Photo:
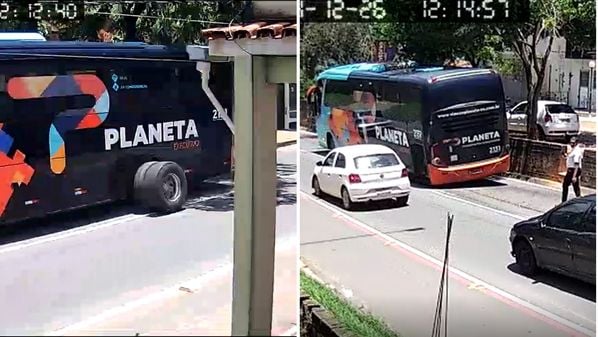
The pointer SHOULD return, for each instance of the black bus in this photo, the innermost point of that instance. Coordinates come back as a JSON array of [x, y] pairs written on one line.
[[83, 123], [446, 125]]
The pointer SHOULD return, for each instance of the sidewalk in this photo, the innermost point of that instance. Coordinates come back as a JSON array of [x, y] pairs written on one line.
[[286, 137], [587, 124], [205, 310]]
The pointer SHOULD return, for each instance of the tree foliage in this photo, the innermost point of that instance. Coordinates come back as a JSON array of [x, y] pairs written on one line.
[[326, 45], [435, 43], [151, 22]]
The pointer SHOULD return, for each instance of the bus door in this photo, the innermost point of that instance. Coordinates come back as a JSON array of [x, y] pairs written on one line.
[[314, 99], [339, 114]]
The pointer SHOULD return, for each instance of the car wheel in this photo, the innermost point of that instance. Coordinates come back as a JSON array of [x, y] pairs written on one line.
[[347, 203], [541, 134], [525, 259], [329, 142], [315, 184], [402, 201]]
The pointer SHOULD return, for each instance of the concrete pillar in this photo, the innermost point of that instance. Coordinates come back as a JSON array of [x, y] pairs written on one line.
[[255, 198]]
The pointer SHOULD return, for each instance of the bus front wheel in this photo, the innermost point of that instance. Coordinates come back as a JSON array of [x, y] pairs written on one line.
[[161, 186]]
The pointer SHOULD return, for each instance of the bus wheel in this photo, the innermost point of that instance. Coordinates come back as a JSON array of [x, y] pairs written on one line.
[[139, 186], [329, 142], [164, 187]]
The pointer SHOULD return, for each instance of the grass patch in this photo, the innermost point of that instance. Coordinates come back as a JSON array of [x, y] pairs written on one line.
[[352, 319]]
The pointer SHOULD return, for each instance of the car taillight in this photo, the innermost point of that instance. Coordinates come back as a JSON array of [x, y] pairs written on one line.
[[354, 178], [547, 118], [405, 173]]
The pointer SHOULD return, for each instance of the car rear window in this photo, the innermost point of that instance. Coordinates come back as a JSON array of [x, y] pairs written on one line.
[[376, 161], [559, 109]]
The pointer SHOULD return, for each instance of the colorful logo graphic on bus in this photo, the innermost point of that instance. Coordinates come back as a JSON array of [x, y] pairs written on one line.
[[20, 88], [344, 127], [12, 170]]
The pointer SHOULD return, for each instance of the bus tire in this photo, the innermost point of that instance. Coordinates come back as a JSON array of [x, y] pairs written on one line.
[[164, 187], [140, 183]]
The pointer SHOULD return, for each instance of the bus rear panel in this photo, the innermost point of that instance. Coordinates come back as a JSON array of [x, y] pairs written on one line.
[[468, 136]]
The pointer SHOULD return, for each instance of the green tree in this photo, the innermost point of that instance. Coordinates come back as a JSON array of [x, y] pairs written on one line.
[[549, 19], [328, 44], [435, 43], [152, 22]]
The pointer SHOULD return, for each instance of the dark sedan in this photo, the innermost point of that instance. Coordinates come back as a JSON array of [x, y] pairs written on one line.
[[562, 240]]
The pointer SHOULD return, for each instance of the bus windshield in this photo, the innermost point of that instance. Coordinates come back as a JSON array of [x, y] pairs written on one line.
[[484, 89]]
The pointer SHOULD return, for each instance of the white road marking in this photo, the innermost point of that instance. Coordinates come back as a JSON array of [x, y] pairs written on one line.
[[164, 294], [470, 278], [449, 196], [193, 284], [518, 181], [12, 247], [70, 233]]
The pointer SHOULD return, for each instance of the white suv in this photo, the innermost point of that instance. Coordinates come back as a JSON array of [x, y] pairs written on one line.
[[555, 119]]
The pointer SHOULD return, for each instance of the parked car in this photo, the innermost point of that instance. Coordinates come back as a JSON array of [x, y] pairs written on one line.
[[555, 120], [361, 173], [562, 240]]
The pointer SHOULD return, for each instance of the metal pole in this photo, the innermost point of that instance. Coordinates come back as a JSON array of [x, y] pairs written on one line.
[[590, 90], [255, 198]]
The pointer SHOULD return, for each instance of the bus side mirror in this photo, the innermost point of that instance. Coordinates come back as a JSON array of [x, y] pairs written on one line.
[[319, 163]]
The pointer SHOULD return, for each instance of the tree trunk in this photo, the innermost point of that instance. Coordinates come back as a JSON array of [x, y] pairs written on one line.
[[540, 70], [131, 21]]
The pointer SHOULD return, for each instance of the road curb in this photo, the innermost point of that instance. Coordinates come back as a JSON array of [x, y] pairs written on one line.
[[287, 143], [308, 134], [538, 181]]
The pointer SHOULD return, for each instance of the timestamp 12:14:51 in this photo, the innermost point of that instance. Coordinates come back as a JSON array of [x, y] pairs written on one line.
[[466, 9]]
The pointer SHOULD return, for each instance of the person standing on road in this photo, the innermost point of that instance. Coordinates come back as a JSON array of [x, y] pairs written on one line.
[[574, 157]]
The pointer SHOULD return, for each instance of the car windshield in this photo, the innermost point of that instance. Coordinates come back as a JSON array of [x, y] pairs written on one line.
[[376, 161], [559, 109]]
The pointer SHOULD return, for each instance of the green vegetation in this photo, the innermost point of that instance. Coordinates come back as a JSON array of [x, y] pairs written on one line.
[[357, 322], [151, 22]]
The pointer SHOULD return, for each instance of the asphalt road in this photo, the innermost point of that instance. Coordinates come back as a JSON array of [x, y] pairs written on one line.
[[385, 259], [64, 269]]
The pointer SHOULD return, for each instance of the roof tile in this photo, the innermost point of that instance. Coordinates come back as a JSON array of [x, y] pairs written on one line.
[[254, 30]]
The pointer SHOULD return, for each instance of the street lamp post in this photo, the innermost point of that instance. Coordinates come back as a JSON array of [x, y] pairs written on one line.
[[592, 65]]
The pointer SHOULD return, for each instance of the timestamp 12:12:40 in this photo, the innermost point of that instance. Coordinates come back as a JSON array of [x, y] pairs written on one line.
[[39, 10]]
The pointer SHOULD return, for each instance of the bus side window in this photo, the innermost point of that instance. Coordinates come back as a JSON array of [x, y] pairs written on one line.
[[402, 102], [339, 94]]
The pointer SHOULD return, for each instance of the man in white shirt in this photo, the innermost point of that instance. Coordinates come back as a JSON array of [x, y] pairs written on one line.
[[574, 157]]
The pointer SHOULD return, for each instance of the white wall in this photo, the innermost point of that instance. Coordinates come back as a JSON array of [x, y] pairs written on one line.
[[562, 80]]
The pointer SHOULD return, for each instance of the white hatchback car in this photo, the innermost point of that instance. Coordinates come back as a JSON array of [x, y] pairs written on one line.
[[554, 119], [360, 173]]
